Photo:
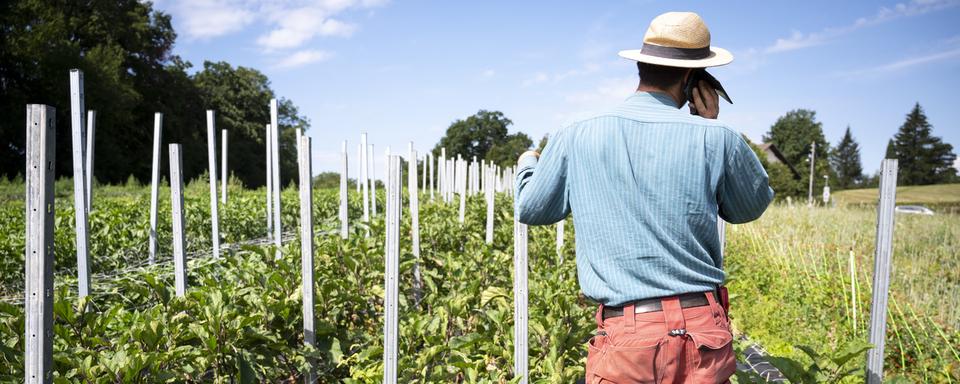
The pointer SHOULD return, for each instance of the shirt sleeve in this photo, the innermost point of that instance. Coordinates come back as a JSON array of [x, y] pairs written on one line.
[[542, 194], [744, 192]]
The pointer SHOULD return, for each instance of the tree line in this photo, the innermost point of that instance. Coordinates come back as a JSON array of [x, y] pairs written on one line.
[[923, 157], [124, 48]]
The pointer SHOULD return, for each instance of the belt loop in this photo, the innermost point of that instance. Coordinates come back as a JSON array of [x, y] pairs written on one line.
[[630, 318], [673, 314], [715, 308], [599, 316]]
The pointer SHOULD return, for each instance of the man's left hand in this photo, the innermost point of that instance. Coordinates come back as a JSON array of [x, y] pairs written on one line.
[[706, 101]]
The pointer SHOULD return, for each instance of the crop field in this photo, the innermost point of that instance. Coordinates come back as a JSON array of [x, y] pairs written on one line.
[[799, 276], [942, 197]]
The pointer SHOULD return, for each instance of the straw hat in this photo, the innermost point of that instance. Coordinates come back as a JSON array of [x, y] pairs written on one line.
[[678, 39]]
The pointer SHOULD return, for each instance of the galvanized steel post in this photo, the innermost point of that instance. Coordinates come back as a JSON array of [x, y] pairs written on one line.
[[176, 202], [391, 266], [212, 160], [414, 203], [79, 191], [155, 184], [306, 248], [881, 269], [344, 217], [520, 349], [275, 150], [91, 127], [38, 294]]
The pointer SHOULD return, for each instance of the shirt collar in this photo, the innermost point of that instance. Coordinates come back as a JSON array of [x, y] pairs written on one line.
[[655, 98]]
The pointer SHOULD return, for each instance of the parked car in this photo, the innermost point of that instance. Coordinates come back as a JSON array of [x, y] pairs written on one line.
[[914, 209]]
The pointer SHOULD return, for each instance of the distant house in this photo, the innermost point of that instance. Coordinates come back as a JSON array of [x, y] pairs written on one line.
[[774, 156]]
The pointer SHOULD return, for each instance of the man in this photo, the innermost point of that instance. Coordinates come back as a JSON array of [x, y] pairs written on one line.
[[646, 183]]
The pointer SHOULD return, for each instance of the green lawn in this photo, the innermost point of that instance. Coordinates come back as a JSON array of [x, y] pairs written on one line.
[[943, 195]]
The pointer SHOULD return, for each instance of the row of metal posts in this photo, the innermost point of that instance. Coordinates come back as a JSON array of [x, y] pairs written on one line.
[[453, 177]]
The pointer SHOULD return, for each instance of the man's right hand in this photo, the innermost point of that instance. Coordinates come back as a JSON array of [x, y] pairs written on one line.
[[706, 101]]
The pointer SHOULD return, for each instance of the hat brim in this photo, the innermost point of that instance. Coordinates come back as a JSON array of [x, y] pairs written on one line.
[[718, 56]]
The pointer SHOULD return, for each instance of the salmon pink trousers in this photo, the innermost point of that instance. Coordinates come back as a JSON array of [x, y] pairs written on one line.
[[675, 345]]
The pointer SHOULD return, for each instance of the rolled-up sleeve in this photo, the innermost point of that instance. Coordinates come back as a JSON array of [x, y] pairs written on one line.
[[744, 191], [542, 194]]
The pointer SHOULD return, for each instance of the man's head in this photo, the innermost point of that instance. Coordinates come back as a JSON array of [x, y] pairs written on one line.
[[661, 77], [675, 43]]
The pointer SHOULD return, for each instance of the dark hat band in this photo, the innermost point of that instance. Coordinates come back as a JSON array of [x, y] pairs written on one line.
[[675, 53]]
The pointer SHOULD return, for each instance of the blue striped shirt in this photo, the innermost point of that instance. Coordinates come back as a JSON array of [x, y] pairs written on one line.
[[645, 183]]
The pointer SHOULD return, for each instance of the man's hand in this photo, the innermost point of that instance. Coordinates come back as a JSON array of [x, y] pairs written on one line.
[[529, 153], [705, 101]]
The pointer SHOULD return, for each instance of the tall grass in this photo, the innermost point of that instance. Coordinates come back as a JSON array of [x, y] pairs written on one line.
[[804, 276]]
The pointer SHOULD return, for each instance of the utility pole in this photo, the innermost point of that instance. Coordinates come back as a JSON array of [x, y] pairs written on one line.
[[813, 158]]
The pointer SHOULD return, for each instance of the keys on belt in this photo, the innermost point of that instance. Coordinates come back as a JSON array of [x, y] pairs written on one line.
[[687, 300]]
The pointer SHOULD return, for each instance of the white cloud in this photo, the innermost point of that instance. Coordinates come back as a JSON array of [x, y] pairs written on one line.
[[489, 73], [201, 19], [797, 40], [304, 57], [289, 23], [905, 63], [800, 40]]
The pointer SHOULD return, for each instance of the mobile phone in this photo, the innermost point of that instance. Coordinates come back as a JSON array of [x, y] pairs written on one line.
[[694, 79]]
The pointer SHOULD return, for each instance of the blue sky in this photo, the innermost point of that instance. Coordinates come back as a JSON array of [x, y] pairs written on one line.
[[403, 70]]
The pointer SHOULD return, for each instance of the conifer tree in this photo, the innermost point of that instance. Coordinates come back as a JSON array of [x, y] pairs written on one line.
[[923, 158], [845, 159]]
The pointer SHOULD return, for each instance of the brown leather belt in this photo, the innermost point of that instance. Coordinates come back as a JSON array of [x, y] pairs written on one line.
[[687, 300]]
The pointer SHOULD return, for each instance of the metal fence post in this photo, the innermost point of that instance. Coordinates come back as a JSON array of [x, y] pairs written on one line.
[[359, 166], [488, 194], [306, 247], [365, 177], [176, 202], [79, 191], [391, 266], [344, 213], [38, 296], [881, 269], [268, 141], [91, 126], [520, 350], [415, 226], [560, 231], [155, 184], [275, 149], [212, 159], [373, 179], [223, 166], [462, 188]]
